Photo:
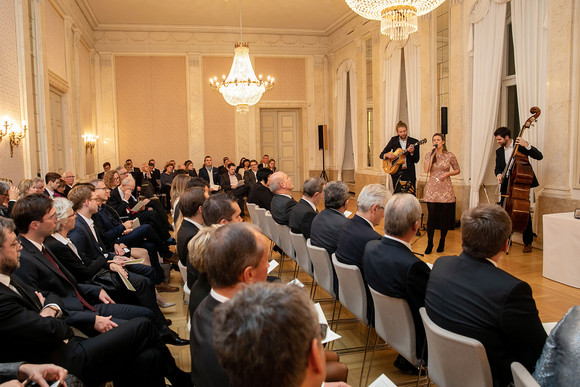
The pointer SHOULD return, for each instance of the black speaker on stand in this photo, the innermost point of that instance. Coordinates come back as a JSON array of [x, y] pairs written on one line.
[[444, 120], [323, 144]]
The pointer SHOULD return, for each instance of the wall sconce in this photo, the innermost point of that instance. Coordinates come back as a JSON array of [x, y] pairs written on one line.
[[14, 134], [90, 142]]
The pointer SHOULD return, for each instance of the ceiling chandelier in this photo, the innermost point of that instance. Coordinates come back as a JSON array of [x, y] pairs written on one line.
[[241, 88], [398, 17]]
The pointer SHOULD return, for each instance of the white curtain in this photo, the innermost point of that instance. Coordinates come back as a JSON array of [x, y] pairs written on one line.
[[344, 83], [412, 52], [487, 43], [529, 23]]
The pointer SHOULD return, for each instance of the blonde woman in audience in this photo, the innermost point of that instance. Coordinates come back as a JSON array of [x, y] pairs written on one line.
[[178, 185], [197, 258], [26, 187]]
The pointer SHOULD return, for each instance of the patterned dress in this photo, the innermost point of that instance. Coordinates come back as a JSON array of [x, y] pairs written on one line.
[[439, 194]]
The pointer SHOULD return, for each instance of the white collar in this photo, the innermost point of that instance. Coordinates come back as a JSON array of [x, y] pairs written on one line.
[[309, 202], [5, 279], [39, 246], [492, 261], [61, 239], [218, 297], [368, 221], [88, 220], [407, 244], [288, 196], [193, 222], [51, 193]]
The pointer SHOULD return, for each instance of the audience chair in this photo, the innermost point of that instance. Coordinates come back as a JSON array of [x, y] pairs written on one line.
[[352, 294], [455, 360], [253, 215], [186, 290], [522, 378], [302, 257], [323, 274], [394, 324], [284, 233], [275, 236], [261, 214]]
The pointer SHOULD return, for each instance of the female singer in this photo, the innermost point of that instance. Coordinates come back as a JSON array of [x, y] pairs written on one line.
[[439, 194]]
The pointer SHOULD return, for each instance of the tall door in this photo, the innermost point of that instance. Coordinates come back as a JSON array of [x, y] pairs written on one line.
[[56, 145], [279, 140]]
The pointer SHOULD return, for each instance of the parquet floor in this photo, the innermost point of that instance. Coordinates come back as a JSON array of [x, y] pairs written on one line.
[[553, 300]]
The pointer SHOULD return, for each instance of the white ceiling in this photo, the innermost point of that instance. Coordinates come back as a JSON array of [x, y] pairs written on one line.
[[314, 16]]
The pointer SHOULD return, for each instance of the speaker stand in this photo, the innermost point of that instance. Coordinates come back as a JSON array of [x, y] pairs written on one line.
[[323, 175]]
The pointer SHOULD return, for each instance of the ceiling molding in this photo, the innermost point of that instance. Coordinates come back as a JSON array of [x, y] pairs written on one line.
[[88, 13], [340, 22]]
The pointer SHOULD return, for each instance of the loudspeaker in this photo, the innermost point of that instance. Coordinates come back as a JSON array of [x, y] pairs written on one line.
[[444, 120], [322, 137]]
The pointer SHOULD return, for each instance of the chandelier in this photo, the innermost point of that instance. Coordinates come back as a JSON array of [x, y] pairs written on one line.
[[241, 88], [398, 17]]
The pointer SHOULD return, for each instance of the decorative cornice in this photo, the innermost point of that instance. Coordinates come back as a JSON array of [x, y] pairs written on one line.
[[193, 59], [456, 2], [106, 59], [88, 13], [56, 82], [318, 61]]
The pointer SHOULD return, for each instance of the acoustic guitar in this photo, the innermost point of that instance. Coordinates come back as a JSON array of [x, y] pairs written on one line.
[[392, 166]]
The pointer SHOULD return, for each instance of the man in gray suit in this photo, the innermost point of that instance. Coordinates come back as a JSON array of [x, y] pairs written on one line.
[[282, 203]]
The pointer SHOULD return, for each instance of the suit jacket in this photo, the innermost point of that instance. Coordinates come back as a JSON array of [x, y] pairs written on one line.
[[325, 229], [137, 175], [225, 182], [202, 172], [250, 177], [100, 175], [89, 248], [205, 368], [109, 222], [500, 163], [411, 160], [38, 273], [156, 174], [118, 204], [187, 231], [260, 195], [393, 270], [67, 189], [474, 298], [28, 335], [280, 208], [301, 218], [353, 238], [83, 269]]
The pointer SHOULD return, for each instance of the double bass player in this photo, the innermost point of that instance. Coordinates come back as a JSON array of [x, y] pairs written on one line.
[[502, 156]]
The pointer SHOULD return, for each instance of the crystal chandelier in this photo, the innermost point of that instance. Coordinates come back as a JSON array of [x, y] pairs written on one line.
[[241, 88], [398, 17]]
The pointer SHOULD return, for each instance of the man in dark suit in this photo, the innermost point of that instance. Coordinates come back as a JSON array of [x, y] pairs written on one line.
[[210, 174], [304, 212], [69, 179], [106, 168], [251, 175], [264, 162], [122, 200], [392, 269], [51, 180], [260, 194], [134, 171], [130, 354], [239, 254], [327, 225], [502, 155], [469, 295], [232, 183], [406, 172], [190, 204], [359, 230], [281, 185]]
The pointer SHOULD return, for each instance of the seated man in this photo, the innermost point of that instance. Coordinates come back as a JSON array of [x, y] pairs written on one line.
[[260, 194], [392, 269], [469, 295], [232, 183], [251, 175], [326, 226], [52, 180], [131, 354], [304, 212], [210, 174], [122, 200], [359, 230], [281, 185], [247, 327]]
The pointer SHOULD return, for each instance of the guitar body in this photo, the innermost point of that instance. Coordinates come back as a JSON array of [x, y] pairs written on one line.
[[392, 166]]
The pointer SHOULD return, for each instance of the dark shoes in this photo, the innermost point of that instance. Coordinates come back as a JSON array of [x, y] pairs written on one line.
[[171, 241], [527, 249], [165, 287], [405, 366], [172, 338], [441, 246], [429, 248]]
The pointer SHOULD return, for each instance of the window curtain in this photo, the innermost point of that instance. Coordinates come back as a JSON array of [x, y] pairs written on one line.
[[487, 44], [530, 31], [392, 83], [412, 52], [344, 83]]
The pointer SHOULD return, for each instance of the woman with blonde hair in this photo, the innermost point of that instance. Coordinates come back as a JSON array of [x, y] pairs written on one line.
[[26, 187], [197, 258], [178, 185]]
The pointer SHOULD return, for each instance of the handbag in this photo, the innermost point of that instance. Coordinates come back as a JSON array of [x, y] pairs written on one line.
[[109, 280]]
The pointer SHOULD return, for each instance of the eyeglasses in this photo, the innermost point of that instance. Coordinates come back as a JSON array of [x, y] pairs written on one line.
[[16, 243]]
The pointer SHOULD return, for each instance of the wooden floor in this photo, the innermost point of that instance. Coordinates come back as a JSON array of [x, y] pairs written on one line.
[[553, 300]]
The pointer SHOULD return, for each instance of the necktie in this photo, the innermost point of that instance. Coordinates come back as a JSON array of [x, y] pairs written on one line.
[[81, 299]]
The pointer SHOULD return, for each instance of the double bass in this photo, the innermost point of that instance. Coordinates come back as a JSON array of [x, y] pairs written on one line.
[[519, 175]]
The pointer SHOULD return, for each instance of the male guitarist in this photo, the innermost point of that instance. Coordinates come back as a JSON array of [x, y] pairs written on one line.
[[406, 172]]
